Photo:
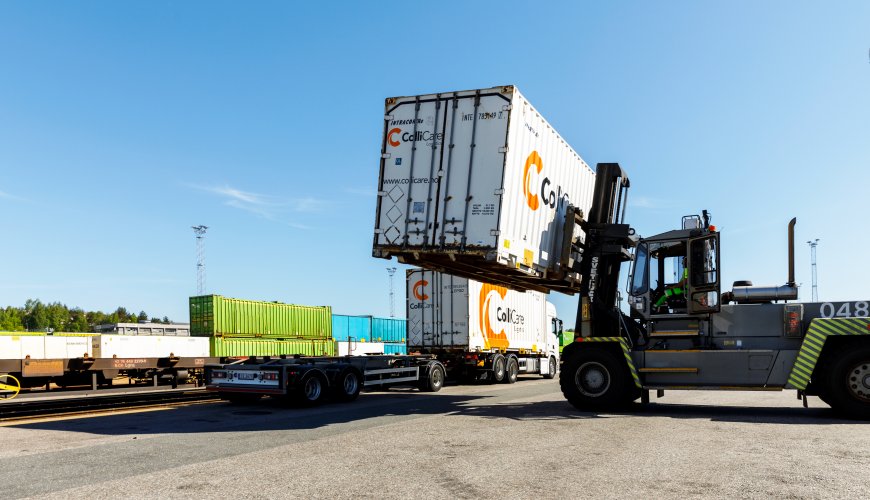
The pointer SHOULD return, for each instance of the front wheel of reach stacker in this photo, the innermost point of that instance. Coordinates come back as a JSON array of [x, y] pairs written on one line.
[[596, 379], [847, 383]]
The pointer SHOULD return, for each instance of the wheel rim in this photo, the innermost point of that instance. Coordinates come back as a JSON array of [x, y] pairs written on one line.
[[859, 381], [312, 389], [437, 377], [592, 379], [350, 384], [499, 368], [515, 370], [552, 367]]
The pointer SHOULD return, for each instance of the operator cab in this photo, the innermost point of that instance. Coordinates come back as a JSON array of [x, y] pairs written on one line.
[[676, 273]]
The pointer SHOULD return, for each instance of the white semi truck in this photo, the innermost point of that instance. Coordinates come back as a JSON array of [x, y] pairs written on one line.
[[479, 330]]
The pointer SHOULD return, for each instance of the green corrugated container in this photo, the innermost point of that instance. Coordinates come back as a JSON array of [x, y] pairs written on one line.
[[230, 347], [217, 316]]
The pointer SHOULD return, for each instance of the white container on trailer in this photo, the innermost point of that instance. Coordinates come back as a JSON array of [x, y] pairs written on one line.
[[33, 346], [448, 312], [129, 346], [67, 347], [354, 348], [477, 180]]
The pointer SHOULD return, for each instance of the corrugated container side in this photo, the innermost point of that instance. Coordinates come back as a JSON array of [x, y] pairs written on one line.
[[389, 329], [395, 348], [213, 315], [234, 347], [358, 328]]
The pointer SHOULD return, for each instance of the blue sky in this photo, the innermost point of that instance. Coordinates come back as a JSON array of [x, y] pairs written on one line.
[[122, 124]]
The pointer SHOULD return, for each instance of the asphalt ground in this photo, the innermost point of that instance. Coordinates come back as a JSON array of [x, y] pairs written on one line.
[[487, 441]]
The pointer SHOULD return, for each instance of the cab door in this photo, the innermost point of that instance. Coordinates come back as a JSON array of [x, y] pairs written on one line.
[[703, 287]]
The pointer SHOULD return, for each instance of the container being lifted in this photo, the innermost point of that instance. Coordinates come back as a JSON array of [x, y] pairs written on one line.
[[477, 183]]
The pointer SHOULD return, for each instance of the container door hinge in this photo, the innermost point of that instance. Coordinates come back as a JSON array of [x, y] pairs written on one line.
[[503, 149], [388, 117], [507, 107], [494, 232], [386, 155], [382, 193], [498, 192]]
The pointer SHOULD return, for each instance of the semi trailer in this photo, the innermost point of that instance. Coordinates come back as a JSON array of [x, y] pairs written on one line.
[[480, 330]]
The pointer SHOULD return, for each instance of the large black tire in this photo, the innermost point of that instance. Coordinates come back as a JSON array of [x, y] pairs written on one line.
[[347, 386], [512, 371], [239, 398], [847, 382], [434, 379], [499, 368], [312, 389], [551, 373], [596, 379]]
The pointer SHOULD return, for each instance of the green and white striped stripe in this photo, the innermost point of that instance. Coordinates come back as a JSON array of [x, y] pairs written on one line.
[[820, 329], [626, 351]]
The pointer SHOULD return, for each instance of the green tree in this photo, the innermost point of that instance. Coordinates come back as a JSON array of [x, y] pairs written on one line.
[[143, 316]]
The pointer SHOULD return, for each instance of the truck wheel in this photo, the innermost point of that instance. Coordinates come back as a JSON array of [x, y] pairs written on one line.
[[512, 371], [434, 381], [237, 398], [596, 379], [551, 373], [347, 385], [498, 368], [312, 389], [848, 383]]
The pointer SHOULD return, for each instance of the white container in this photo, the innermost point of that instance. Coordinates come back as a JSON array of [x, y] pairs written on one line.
[[493, 198], [67, 347], [450, 312], [148, 346], [346, 348]]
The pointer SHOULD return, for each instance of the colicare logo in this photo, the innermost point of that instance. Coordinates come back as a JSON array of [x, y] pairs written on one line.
[[393, 141], [418, 290], [551, 197], [491, 339]]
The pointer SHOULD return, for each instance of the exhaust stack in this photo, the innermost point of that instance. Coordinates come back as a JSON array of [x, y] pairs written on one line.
[[791, 224]]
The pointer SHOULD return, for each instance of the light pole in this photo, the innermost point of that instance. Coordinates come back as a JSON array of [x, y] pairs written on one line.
[[813, 244]]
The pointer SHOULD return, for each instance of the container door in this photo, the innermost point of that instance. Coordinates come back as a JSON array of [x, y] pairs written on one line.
[[432, 195]]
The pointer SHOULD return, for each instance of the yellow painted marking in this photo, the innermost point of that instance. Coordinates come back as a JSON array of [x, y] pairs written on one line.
[[104, 412], [11, 384]]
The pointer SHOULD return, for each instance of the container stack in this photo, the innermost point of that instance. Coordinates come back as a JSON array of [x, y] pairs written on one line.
[[238, 327], [369, 335]]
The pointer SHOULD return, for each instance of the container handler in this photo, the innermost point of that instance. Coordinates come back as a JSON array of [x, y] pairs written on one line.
[[682, 332]]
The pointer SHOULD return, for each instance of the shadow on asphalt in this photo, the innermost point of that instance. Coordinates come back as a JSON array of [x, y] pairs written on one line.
[[270, 414]]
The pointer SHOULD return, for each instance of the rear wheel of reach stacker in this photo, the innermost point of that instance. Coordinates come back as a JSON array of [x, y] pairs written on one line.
[[434, 379], [847, 382], [596, 379]]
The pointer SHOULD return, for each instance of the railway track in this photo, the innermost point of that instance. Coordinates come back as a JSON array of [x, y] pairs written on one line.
[[72, 406]]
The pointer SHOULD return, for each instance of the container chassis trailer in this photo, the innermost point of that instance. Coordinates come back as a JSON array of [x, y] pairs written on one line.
[[313, 380]]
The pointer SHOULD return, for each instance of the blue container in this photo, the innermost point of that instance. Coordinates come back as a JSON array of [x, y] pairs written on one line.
[[395, 348], [389, 330], [346, 328]]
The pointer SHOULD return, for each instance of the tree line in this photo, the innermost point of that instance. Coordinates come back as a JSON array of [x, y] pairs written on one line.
[[36, 316]]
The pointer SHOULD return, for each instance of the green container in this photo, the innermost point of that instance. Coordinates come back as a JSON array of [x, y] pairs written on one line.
[[217, 316], [223, 347]]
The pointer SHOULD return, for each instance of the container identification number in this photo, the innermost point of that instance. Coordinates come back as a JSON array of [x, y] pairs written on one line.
[[846, 310]]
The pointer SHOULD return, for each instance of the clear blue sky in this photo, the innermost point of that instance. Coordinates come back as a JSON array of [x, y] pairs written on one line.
[[124, 123]]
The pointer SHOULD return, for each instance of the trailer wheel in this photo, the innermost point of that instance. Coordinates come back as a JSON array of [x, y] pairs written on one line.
[[512, 371], [434, 380], [847, 383], [596, 379], [551, 373], [312, 389], [347, 385], [498, 368]]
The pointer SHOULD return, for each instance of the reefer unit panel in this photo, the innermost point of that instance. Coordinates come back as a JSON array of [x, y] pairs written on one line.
[[477, 180], [450, 312], [214, 315]]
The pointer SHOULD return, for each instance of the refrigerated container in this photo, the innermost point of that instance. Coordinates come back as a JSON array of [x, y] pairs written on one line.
[[218, 316], [478, 182], [481, 327]]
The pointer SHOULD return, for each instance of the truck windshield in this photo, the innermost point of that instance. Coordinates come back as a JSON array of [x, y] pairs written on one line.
[[640, 276]]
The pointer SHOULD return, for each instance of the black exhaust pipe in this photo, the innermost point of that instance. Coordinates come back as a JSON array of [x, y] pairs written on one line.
[[791, 251]]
